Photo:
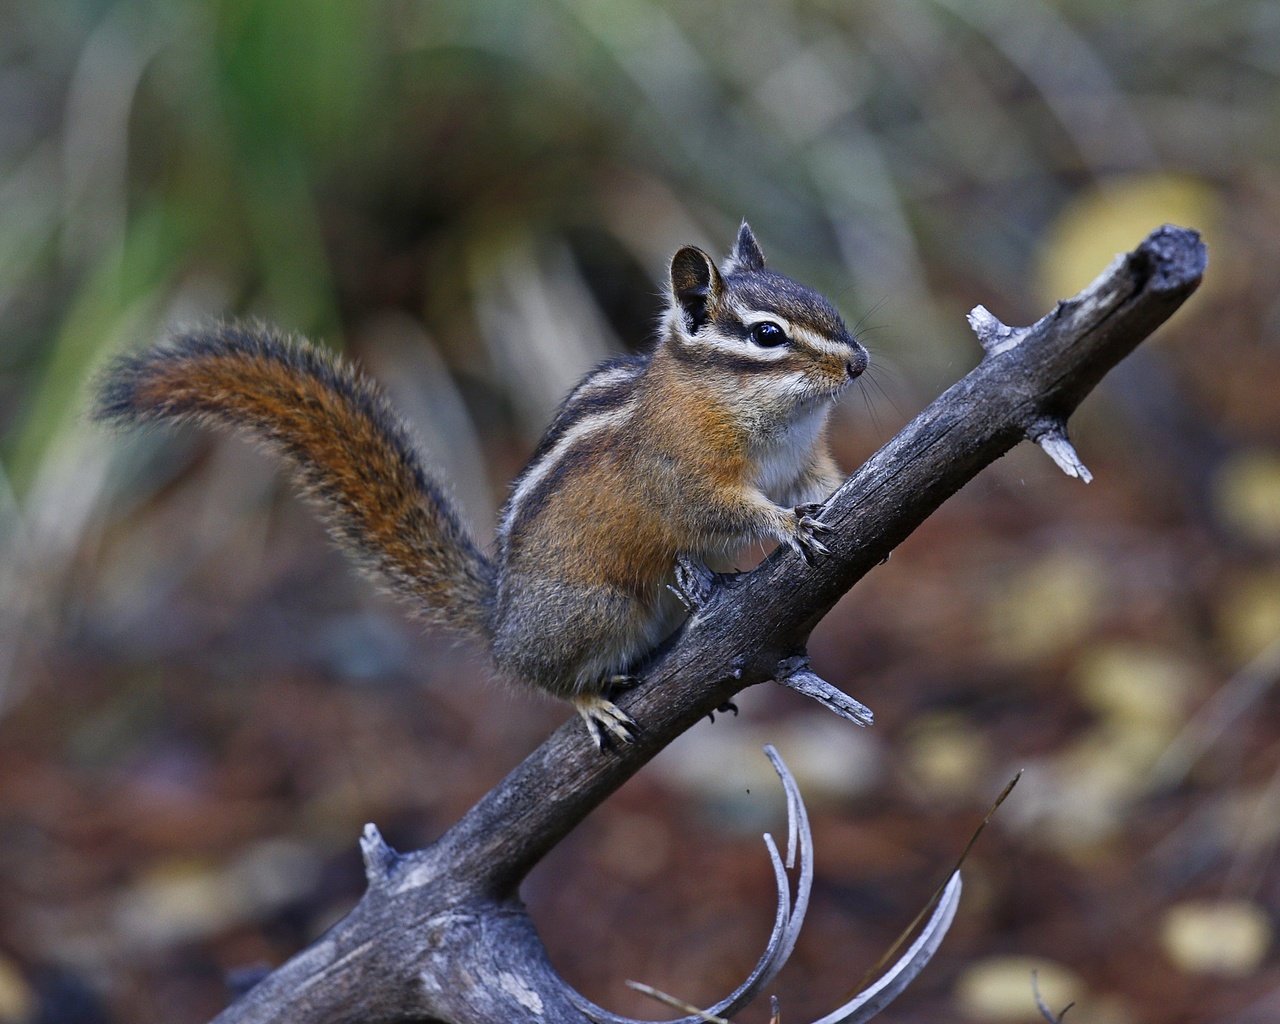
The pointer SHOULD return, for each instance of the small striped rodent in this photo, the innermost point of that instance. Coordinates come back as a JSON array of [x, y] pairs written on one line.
[[711, 440]]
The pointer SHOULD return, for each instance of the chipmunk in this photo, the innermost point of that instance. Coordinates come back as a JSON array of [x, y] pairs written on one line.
[[711, 440]]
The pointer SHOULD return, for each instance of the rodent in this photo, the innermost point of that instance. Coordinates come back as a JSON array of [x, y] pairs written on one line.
[[713, 439]]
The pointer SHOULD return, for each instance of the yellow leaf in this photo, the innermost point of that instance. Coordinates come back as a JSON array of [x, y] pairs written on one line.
[[1249, 616], [1247, 494], [1227, 938], [947, 755], [1049, 605], [17, 1002], [1135, 685], [998, 989]]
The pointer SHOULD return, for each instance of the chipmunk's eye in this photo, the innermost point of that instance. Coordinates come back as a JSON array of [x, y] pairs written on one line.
[[767, 334]]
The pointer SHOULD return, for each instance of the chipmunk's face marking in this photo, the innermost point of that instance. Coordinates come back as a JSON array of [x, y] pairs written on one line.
[[778, 340]]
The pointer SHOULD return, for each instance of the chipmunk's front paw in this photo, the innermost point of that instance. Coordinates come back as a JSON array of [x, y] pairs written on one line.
[[693, 583], [805, 539], [599, 713]]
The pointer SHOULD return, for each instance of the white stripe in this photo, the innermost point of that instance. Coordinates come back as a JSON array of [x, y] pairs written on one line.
[[751, 318], [710, 338], [822, 343], [604, 380], [536, 473]]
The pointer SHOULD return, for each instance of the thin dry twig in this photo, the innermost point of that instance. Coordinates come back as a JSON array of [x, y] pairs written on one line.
[[676, 1004], [787, 922], [1042, 1006], [937, 893]]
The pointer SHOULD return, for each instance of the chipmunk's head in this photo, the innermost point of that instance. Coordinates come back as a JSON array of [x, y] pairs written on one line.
[[772, 339]]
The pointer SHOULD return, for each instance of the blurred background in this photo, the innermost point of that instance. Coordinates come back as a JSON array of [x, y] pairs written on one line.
[[201, 704]]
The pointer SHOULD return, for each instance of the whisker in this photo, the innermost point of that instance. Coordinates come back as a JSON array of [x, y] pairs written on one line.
[[872, 415], [882, 364], [871, 380], [874, 308], [861, 332]]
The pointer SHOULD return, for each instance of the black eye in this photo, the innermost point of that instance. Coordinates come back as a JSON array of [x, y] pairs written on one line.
[[767, 334]]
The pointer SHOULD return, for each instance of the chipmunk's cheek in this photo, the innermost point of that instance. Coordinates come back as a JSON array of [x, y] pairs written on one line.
[[833, 369]]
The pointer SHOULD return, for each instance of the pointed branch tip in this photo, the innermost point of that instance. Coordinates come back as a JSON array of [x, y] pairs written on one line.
[[995, 336], [378, 856], [795, 674], [1058, 447]]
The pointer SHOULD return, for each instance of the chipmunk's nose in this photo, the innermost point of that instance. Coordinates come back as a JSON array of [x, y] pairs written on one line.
[[858, 363]]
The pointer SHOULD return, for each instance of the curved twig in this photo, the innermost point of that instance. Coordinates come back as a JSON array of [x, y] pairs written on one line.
[[786, 925], [863, 1006], [874, 998]]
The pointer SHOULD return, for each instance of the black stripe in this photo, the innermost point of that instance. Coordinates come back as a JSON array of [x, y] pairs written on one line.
[[573, 408], [579, 455], [705, 355]]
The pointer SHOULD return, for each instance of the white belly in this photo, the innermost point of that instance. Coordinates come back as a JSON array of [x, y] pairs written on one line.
[[782, 460]]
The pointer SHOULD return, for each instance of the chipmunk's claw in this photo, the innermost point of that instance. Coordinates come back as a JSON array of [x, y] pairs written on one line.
[[724, 708], [805, 540], [605, 721], [809, 510]]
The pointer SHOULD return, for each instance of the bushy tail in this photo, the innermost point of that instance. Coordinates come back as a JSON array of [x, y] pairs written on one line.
[[349, 452]]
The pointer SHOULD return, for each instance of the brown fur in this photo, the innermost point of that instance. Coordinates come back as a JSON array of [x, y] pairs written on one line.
[[350, 454]]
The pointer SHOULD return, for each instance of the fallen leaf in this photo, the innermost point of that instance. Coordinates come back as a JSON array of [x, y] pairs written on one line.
[[1227, 938], [998, 989]]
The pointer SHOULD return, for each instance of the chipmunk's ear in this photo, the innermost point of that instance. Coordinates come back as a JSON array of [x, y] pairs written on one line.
[[746, 254], [696, 286]]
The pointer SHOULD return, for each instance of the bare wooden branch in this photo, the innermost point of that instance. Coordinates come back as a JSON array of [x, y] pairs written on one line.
[[441, 934], [379, 858]]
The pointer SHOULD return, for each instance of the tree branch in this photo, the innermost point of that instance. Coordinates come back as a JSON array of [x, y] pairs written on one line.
[[441, 933]]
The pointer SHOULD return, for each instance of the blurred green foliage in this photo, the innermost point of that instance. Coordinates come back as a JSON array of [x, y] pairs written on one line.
[[304, 161]]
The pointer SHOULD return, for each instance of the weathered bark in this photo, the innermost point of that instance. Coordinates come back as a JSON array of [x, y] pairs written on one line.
[[441, 933]]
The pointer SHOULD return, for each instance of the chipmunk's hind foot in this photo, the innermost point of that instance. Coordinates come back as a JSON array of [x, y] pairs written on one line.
[[605, 721]]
